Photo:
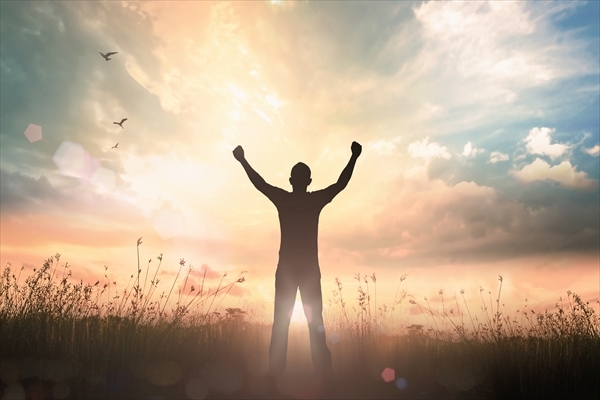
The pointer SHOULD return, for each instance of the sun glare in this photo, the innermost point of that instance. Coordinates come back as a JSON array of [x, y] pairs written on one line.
[[238, 93], [273, 102], [298, 316]]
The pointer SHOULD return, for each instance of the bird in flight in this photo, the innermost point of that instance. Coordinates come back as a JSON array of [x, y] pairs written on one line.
[[120, 123], [108, 55], [115, 146]]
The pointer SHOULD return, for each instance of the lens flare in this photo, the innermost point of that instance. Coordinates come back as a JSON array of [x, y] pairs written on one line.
[[388, 374], [33, 133], [401, 383]]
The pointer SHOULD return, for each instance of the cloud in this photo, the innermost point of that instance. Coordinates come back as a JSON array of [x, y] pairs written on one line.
[[497, 60], [429, 111], [417, 173], [20, 192], [538, 142], [427, 151], [384, 146], [499, 53], [593, 151], [440, 223], [27, 201], [497, 156], [39, 229], [564, 173], [470, 151], [205, 272]]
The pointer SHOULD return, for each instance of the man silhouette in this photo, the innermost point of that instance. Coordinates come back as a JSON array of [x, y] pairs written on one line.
[[298, 266]]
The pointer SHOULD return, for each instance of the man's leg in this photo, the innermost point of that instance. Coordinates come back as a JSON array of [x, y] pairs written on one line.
[[285, 297], [312, 301]]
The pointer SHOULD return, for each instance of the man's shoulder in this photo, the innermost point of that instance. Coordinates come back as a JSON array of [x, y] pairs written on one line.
[[274, 192], [325, 195], [317, 192], [278, 196]]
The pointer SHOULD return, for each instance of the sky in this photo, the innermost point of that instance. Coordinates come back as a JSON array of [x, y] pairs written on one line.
[[479, 123]]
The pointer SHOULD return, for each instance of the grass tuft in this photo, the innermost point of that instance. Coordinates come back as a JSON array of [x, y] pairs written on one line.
[[83, 340]]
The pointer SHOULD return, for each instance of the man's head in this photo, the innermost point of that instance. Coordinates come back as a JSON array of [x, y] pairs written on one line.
[[300, 176]]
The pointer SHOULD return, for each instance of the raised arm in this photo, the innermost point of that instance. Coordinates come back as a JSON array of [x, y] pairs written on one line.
[[347, 172], [257, 180], [330, 192]]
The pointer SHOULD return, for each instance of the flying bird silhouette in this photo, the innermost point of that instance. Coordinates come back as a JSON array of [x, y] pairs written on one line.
[[115, 146], [120, 123], [108, 55]]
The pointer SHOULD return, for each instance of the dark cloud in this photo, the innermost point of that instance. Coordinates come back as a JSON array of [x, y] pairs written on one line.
[[467, 223], [20, 193]]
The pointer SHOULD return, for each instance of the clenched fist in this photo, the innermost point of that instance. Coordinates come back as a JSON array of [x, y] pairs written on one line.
[[238, 153], [356, 149]]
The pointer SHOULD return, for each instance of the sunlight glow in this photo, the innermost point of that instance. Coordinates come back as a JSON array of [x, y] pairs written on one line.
[[438, 174], [467, 149], [298, 316], [238, 93], [268, 296], [168, 224], [104, 180], [272, 100], [263, 116]]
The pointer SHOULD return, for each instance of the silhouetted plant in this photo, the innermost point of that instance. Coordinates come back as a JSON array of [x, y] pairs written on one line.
[[490, 354]]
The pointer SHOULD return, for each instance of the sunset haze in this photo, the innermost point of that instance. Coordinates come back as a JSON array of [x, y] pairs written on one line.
[[479, 124]]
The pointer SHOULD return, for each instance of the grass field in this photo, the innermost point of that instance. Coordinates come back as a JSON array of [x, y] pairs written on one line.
[[86, 341]]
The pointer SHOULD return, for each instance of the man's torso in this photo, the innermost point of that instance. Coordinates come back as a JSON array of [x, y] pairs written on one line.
[[299, 222]]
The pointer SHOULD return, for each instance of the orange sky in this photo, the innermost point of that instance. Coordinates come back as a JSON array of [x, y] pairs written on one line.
[[480, 143]]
